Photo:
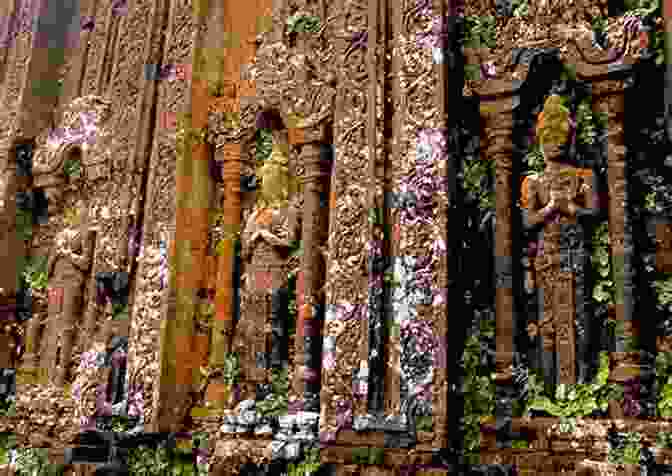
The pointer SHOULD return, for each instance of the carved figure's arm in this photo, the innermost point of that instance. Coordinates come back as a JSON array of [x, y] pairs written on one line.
[[536, 214], [593, 198]]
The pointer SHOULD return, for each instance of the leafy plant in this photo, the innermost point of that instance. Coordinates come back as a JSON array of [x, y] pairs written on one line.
[[664, 439], [627, 451], [424, 423], [650, 201], [264, 143], [309, 465], [520, 444], [8, 406], [664, 381], [119, 311], [535, 159], [72, 167], [567, 425], [478, 388], [35, 462], [604, 289], [520, 8], [121, 424], [480, 32], [231, 370], [147, 461], [276, 403], [24, 223], [300, 23], [35, 272], [476, 173], [578, 400], [664, 290]]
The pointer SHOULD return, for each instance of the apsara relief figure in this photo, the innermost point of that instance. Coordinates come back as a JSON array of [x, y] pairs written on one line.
[[266, 240], [554, 199]]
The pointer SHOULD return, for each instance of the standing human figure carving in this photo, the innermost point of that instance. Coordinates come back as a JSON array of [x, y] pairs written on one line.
[[555, 199], [68, 266], [266, 239]]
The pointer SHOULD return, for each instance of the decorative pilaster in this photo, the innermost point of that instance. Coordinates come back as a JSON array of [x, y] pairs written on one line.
[[499, 124], [612, 101], [224, 297], [193, 188], [314, 236]]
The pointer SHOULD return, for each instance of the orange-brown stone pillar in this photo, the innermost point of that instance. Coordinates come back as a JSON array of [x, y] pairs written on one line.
[[224, 296], [314, 236]]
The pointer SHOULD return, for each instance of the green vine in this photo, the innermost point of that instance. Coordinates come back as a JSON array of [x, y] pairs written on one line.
[[474, 170], [300, 23], [576, 400], [478, 388], [35, 272], [522, 444], [368, 455], [629, 453], [231, 370], [664, 380], [119, 311], [664, 439], [72, 167], [264, 142], [604, 289], [276, 403], [24, 223], [480, 31], [7, 444], [520, 8], [535, 159], [306, 467], [664, 290], [35, 462], [424, 423], [144, 461]]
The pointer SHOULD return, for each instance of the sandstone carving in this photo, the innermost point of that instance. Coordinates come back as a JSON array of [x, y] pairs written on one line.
[[69, 264], [265, 240], [553, 199]]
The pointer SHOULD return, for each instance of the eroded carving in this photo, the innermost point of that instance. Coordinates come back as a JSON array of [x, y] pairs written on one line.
[[68, 266], [266, 240]]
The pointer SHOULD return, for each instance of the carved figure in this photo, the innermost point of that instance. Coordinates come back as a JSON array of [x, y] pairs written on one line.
[[266, 240], [554, 199], [68, 266]]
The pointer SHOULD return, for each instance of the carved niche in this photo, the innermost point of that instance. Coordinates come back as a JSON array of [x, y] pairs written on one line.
[[82, 124]]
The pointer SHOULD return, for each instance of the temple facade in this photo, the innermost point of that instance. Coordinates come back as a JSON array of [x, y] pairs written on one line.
[[280, 224]]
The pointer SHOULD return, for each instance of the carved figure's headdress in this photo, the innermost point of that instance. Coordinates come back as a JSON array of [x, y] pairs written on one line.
[[553, 124], [274, 176]]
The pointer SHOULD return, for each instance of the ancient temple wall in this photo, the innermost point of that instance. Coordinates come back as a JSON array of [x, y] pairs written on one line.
[[159, 209], [97, 47], [346, 267]]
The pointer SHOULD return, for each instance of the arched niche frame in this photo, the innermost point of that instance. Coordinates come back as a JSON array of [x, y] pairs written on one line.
[[508, 114]]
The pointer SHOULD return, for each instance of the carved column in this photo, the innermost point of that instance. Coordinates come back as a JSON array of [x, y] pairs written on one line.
[[612, 101], [224, 297], [314, 233], [499, 124]]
